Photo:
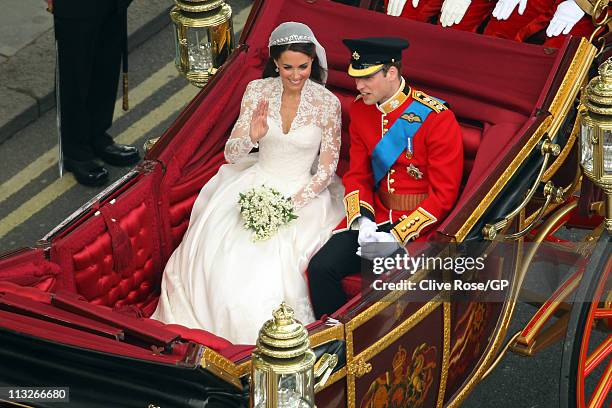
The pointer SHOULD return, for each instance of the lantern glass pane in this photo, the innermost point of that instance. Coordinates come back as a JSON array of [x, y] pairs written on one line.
[[260, 379], [586, 147], [200, 52], [293, 390], [607, 151]]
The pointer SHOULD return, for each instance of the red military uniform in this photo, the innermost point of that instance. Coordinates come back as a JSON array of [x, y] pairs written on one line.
[[415, 144], [536, 18], [420, 188]]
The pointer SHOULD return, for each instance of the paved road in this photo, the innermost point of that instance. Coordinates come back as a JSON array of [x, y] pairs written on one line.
[[33, 200]]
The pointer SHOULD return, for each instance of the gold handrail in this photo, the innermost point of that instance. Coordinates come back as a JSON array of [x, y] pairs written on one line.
[[490, 231], [551, 193]]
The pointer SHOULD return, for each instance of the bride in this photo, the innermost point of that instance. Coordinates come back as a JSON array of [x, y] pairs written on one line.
[[218, 279]]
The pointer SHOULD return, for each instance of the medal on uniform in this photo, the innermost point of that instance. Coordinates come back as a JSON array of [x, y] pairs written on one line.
[[414, 172], [410, 117], [409, 149]]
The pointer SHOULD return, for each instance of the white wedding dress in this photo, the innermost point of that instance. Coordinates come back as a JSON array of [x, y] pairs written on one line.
[[218, 279]]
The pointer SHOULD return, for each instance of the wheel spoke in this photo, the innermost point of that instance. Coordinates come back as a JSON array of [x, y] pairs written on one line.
[[598, 355], [602, 389]]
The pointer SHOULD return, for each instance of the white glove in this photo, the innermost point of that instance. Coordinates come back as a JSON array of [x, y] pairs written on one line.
[[504, 8], [567, 15], [383, 245], [367, 228], [453, 11], [395, 7]]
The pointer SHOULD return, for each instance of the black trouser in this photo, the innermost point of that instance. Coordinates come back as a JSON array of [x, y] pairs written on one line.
[[336, 260], [89, 58]]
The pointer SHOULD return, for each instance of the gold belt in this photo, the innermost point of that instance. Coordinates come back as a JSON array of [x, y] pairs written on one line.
[[401, 202]]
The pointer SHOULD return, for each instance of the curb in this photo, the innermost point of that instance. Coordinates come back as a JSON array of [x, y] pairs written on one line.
[[23, 106]]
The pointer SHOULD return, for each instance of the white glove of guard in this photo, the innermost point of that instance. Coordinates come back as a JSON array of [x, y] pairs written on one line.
[[395, 7], [367, 228], [567, 15], [504, 8], [453, 11], [387, 245]]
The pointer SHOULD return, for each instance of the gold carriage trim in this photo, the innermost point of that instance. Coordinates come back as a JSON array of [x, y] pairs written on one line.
[[351, 204], [221, 367], [586, 6], [591, 7], [411, 225], [429, 101]]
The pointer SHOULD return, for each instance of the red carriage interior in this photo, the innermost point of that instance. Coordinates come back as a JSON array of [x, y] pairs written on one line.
[[114, 258]]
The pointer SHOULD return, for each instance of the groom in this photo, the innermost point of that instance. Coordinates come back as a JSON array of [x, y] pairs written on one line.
[[406, 162]]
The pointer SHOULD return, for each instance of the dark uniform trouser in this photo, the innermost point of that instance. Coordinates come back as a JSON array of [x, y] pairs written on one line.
[[334, 261], [89, 58]]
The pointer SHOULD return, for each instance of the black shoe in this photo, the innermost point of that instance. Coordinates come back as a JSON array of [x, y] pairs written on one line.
[[87, 172], [119, 154]]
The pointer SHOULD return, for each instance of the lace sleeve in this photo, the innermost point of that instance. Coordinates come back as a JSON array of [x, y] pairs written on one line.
[[239, 143], [330, 123]]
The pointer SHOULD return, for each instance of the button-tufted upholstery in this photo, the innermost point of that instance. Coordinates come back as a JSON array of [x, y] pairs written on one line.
[[90, 253]]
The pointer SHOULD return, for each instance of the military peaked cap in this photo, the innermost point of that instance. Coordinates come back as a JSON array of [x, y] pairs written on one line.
[[368, 55]]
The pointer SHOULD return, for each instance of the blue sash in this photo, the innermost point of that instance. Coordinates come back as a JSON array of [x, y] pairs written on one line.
[[397, 139]]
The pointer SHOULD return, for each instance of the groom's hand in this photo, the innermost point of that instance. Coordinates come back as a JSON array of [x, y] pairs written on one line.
[[367, 228], [382, 245]]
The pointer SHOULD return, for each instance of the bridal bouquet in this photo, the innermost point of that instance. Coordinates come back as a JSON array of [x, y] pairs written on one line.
[[264, 210]]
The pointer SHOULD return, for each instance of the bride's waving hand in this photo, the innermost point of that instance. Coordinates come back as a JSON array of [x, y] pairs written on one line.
[[251, 125], [259, 122]]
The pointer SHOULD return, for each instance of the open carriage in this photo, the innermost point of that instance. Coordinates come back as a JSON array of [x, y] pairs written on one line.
[[73, 309]]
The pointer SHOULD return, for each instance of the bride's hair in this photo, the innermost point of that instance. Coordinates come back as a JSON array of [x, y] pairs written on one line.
[[316, 73]]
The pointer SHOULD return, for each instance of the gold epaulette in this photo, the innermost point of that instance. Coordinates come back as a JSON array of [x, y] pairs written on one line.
[[429, 101], [411, 225]]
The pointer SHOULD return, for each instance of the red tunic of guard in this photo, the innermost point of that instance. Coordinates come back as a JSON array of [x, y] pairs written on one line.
[[537, 17], [475, 15], [421, 187]]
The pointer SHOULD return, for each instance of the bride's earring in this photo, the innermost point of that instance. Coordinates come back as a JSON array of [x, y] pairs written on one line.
[[276, 69]]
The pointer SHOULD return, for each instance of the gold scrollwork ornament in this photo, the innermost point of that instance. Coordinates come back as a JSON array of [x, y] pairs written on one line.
[[359, 368]]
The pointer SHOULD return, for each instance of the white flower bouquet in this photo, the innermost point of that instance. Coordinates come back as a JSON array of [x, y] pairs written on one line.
[[264, 210]]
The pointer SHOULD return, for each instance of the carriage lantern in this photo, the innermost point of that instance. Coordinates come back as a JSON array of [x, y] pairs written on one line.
[[282, 365], [596, 134], [204, 37]]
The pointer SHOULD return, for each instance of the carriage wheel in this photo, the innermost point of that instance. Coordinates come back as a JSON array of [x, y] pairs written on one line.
[[588, 341]]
